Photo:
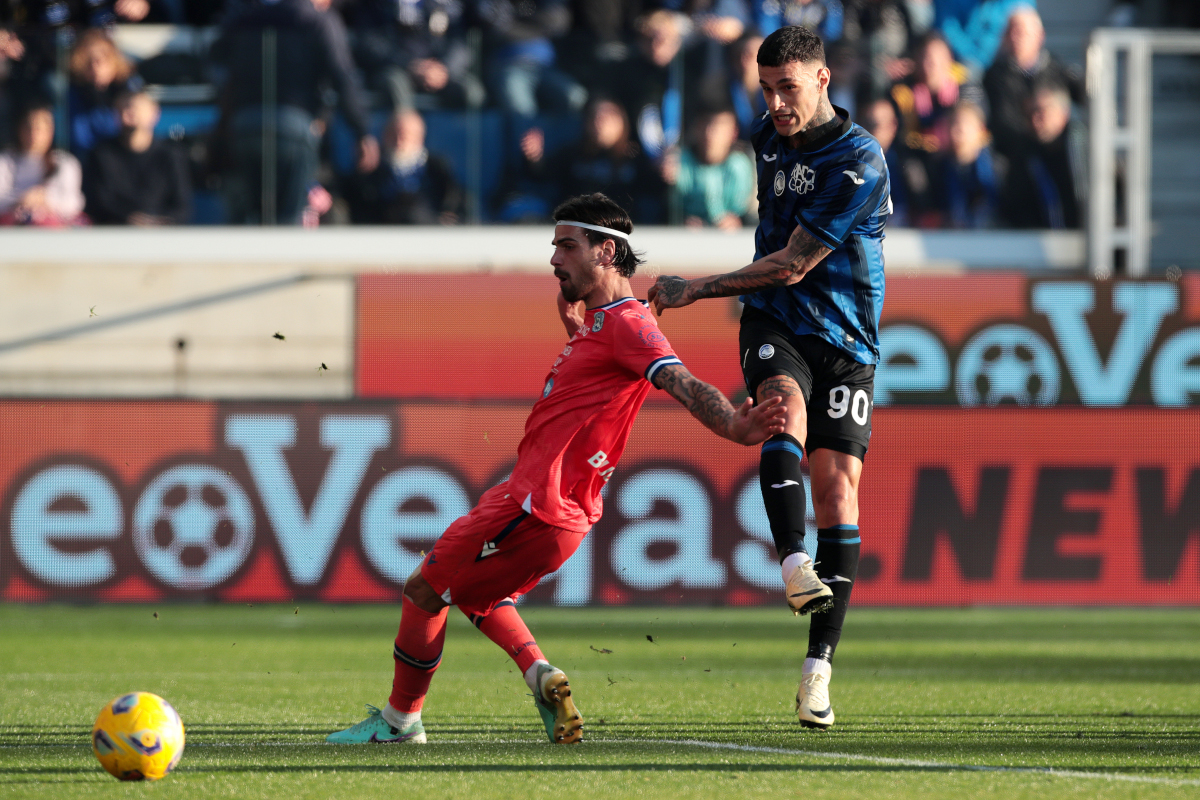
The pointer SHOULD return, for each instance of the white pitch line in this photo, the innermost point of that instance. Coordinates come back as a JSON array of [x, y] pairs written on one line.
[[742, 748], [909, 762]]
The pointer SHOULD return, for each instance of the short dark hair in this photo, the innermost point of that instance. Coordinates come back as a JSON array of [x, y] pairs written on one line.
[[791, 43], [598, 209], [34, 106]]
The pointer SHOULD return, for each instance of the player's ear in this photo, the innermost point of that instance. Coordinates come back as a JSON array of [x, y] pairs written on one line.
[[822, 79], [608, 252]]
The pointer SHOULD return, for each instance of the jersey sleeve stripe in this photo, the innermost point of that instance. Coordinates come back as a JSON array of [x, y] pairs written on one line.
[[658, 364], [820, 237]]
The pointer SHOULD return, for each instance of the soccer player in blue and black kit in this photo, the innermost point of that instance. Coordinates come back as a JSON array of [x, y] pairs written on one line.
[[809, 330]]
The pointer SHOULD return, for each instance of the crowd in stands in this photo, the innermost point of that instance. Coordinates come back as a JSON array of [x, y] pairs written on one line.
[[649, 101]]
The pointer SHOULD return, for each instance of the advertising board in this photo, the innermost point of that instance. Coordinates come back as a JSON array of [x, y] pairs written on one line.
[[258, 501]]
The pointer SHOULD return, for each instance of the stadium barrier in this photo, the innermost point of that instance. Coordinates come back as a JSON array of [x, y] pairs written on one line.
[[125, 501], [1034, 433], [1034, 442]]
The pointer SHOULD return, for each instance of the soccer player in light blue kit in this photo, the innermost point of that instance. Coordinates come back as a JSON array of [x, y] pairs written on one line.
[[809, 330]]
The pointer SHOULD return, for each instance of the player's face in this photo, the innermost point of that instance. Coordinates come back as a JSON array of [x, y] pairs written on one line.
[[793, 93], [576, 262]]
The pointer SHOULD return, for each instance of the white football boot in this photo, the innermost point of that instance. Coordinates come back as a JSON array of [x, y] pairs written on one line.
[[806, 594], [812, 696]]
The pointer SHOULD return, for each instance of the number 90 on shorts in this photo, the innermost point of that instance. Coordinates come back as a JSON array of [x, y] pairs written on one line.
[[837, 389], [857, 404]]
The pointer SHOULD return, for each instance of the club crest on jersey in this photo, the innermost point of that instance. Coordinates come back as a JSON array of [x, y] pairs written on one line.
[[780, 183], [766, 351], [802, 179], [598, 322]]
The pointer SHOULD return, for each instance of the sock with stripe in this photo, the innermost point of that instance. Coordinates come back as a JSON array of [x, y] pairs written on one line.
[[505, 627], [837, 567], [418, 652], [782, 485]]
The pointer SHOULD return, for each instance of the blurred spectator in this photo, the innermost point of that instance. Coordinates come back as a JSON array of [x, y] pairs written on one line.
[[311, 52], [33, 31], [38, 184], [846, 70], [907, 170], [136, 179], [11, 53], [598, 41], [924, 101], [520, 36], [974, 28], [970, 176], [715, 24], [652, 85], [78, 13], [745, 93], [606, 159], [885, 33], [1047, 187], [712, 181], [822, 17], [411, 186], [411, 47], [99, 74], [1023, 61]]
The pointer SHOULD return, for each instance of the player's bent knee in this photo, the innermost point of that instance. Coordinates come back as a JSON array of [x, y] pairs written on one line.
[[835, 503], [422, 595]]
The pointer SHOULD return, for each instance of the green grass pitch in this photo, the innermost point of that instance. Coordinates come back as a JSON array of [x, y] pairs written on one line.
[[930, 704]]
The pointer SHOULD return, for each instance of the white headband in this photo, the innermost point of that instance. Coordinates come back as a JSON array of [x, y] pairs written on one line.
[[600, 228]]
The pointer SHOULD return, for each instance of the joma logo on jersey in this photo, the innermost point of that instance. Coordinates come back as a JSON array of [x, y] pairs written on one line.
[[802, 179], [601, 460]]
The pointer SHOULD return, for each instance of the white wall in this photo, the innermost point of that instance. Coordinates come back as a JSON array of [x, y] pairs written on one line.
[[99, 312]]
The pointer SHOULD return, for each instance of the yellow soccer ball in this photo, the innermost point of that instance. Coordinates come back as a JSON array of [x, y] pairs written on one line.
[[138, 736]]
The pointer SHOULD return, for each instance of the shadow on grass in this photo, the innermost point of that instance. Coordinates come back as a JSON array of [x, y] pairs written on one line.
[[34, 775]]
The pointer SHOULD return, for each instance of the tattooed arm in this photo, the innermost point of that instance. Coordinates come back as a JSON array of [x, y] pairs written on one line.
[[781, 268], [749, 424]]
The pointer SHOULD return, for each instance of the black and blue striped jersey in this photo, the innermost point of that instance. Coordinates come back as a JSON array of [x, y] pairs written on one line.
[[836, 188]]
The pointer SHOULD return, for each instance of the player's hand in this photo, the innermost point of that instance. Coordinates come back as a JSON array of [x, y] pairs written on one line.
[[433, 74], [533, 145], [570, 313], [10, 46], [754, 424], [669, 291], [368, 154], [132, 10]]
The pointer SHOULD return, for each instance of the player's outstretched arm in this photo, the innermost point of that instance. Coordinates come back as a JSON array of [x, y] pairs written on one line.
[[571, 314], [749, 424], [781, 268]]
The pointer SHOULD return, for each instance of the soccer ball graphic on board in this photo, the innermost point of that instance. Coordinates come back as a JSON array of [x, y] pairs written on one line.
[[193, 527], [138, 736]]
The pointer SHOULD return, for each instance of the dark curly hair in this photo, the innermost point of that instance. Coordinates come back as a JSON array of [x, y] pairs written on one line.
[[791, 43], [598, 209]]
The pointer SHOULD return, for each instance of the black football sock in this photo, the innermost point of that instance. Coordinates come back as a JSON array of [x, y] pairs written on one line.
[[783, 494], [837, 566]]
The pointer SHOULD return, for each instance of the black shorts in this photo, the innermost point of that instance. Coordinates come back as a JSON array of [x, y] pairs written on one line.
[[838, 391]]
